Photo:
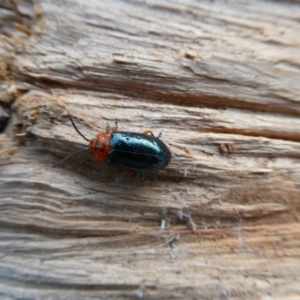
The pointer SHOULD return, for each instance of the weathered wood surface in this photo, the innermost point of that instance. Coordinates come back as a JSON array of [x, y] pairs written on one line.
[[221, 79]]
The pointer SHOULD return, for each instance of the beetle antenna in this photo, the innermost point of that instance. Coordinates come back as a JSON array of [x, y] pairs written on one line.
[[76, 127], [69, 156]]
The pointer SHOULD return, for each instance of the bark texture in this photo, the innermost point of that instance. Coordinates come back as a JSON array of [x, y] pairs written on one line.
[[221, 78]]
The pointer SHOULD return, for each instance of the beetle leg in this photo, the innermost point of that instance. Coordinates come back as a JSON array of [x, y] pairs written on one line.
[[107, 129], [147, 132], [131, 173], [116, 125], [111, 129], [151, 133], [159, 135]]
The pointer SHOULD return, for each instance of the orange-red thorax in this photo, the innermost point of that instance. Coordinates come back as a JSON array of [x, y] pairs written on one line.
[[100, 147]]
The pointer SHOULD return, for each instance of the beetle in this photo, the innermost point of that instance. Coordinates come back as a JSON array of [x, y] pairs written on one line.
[[130, 151]]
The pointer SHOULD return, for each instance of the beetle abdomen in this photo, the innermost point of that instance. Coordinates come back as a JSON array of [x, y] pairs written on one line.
[[137, 152]]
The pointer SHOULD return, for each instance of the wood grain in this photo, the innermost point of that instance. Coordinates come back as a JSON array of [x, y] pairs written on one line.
[[221, 79]]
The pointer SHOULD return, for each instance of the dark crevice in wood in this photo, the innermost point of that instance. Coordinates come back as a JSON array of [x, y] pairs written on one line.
[[9, 275], [47, 230], [156, 93], [4, 116], [265, 134]]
